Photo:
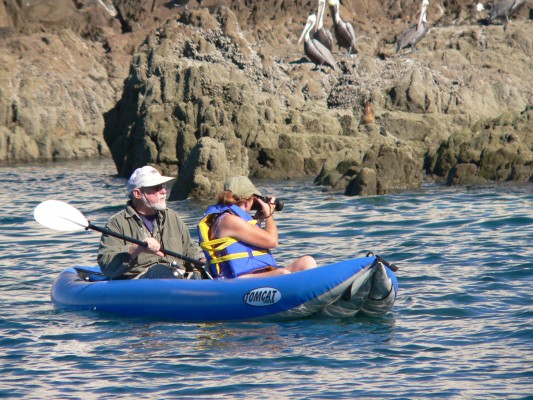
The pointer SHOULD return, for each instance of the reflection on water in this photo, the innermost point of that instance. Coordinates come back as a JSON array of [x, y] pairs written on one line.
[[461, 327], [241, 340]]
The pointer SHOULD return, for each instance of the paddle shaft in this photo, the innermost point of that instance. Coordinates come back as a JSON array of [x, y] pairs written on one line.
[[143, 244]]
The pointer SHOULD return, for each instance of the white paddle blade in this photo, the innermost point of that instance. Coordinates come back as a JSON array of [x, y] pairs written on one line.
[[60, 216]]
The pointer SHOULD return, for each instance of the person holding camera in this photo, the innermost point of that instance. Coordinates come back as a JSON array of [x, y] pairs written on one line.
[[232, 240]]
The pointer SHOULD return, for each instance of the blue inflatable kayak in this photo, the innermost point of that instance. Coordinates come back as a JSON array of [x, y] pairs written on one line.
[[337, 290]]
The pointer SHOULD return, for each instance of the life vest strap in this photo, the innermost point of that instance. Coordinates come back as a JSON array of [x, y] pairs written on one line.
[[217, 244], [235, 256]]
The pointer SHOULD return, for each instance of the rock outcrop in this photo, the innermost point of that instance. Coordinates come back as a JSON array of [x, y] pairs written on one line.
[[221, 88], [498, 150]]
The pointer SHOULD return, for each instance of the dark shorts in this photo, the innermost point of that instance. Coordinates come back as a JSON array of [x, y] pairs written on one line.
[[160, 271], [164, 271]]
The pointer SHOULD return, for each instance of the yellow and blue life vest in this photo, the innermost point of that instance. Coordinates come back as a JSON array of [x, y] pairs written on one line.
[[228, 257]]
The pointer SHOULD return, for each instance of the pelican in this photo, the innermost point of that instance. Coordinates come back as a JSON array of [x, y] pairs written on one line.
[[314, 50], [505, 8], [416, 33], [344, 31], [322, 34]]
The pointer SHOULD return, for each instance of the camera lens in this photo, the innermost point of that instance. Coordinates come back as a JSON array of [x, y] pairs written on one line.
[[278, 203]]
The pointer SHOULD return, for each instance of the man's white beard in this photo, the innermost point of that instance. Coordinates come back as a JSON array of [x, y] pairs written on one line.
[[160, 205]]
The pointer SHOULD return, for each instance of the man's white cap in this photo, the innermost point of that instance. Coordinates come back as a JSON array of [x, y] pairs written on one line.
[[145, 177]]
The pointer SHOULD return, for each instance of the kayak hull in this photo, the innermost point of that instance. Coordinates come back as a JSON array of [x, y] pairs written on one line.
[[337, 290]]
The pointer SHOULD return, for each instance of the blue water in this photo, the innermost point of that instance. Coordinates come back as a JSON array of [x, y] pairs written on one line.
[[461, 327]]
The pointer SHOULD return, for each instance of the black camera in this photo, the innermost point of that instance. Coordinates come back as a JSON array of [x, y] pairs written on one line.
[[278, 203]]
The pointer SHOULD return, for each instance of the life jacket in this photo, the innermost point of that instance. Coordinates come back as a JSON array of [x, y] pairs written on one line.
[[228, 257]]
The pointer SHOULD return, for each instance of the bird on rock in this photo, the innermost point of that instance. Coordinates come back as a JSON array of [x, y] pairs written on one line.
[[314, 50], [504, 9], [344, 31], [416, 33], [322, 34]]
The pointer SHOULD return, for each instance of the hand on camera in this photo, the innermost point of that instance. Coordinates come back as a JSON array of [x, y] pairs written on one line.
[[266, 208]]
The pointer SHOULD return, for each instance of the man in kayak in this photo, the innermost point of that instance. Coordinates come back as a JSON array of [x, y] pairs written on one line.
[[146, 218], [234, 243]]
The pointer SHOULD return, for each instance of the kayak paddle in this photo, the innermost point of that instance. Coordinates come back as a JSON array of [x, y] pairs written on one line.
[[61, 216]]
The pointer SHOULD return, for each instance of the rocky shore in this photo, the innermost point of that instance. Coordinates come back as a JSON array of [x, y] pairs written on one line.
[[216, 88]]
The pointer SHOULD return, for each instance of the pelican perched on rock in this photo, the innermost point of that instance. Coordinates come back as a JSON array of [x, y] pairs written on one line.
[[416, 33], [314, 50], [505, 8], [344, 32], [322, 34]]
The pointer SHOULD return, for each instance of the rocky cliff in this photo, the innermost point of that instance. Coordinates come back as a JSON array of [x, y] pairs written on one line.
[[215, 88]]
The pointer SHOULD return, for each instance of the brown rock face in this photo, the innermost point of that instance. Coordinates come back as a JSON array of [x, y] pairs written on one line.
[[222, 88], [498, 150]]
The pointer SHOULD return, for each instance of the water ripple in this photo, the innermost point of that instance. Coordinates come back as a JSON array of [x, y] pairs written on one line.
[[461, 327]]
